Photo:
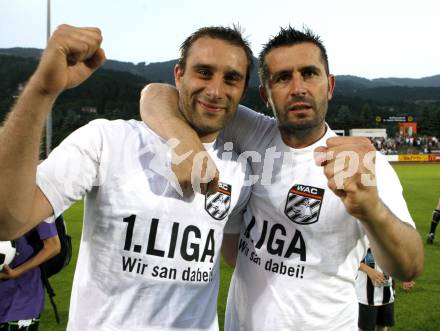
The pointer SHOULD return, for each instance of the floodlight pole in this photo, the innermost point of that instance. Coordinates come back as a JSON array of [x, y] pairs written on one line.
[[49, 117]]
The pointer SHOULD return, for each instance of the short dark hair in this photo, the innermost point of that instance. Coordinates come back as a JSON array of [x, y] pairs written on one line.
[[232, 35], [289, 37]]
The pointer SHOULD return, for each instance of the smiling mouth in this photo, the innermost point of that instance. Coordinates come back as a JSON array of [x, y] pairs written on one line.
[[212, 108]]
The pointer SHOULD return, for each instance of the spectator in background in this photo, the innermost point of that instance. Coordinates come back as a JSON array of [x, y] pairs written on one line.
[[385, 146], [21, 287], [405, 144], [375, 295], [434, 223]]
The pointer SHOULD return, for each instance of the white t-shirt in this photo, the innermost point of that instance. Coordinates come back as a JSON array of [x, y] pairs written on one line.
[[148, 259], [299, 250]]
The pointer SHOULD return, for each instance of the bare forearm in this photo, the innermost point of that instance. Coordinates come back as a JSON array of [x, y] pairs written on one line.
[[51, 248], [20, 140], [363, 267], [397, 246], [160, 111], [71, 56]]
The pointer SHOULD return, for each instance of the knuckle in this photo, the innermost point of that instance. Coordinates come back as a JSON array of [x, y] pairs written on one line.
[[84, 47], [63, 26], [99, 38]]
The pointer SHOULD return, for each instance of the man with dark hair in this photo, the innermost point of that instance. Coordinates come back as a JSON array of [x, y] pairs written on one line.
[[149, 257], [314, 200], [434, 223], [231, 35], [290, 36]]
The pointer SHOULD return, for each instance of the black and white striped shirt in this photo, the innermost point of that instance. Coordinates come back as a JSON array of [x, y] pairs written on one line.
[[367, 293]]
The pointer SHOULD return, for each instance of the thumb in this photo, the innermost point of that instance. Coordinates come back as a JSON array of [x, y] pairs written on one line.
[[320, 155], [213, 184]]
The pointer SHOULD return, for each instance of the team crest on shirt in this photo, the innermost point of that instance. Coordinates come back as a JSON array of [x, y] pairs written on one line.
[[303, 204], [217, 204]]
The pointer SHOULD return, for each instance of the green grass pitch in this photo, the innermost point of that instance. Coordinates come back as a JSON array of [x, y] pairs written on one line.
[[416, 310]]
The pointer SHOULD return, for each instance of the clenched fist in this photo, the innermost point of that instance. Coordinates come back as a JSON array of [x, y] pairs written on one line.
[[349, 165], [71, 56]]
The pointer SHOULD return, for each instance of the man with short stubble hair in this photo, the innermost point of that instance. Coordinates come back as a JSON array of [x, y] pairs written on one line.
[[314, 200], [149, 256]]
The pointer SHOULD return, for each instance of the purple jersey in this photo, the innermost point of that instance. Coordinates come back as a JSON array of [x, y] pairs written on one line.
[[23, 298]]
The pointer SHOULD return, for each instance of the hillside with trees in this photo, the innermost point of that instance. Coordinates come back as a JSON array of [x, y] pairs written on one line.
[[113, 92]]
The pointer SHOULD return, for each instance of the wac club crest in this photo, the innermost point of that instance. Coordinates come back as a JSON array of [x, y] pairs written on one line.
[[303, 204], [217, 204]]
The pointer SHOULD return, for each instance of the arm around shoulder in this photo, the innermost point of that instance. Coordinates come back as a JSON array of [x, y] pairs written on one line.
[[159, 107]]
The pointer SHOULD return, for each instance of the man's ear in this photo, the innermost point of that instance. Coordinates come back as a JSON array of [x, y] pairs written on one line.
[[178, 73], [264, 96], [331, 86]]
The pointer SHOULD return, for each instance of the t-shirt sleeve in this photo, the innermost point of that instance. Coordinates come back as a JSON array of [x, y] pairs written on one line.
[[249, 130], [390, 190], [46, 230], [72, 168]]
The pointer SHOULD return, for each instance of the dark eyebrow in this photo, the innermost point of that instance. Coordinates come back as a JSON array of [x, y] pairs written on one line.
[[202, 66], [281, 72], [310, 68]]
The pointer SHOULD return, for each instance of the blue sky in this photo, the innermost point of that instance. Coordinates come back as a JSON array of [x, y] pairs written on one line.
[[375, 38]]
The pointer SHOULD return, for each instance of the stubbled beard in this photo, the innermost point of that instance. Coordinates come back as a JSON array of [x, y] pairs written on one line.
[[298, 129], [301, 127]]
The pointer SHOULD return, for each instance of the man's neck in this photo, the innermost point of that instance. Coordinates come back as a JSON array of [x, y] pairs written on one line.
[[207, 138], [303, 138]]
